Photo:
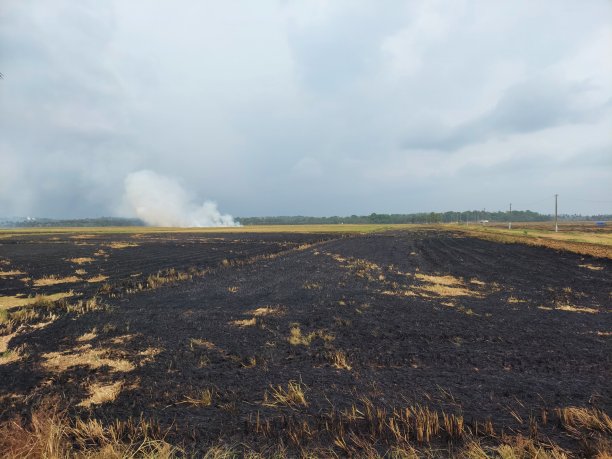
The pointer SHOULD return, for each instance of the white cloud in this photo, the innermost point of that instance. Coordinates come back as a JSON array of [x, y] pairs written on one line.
[[382, 99]]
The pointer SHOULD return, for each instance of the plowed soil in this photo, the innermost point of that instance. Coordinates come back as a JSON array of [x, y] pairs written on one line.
[[492, 332]]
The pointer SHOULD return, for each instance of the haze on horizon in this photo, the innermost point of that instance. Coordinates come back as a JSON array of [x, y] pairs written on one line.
[[325, 107]]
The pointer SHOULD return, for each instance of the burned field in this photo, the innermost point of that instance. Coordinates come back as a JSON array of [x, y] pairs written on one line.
[[407, 342]]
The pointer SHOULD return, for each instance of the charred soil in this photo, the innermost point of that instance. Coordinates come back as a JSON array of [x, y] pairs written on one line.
[[310, 341]]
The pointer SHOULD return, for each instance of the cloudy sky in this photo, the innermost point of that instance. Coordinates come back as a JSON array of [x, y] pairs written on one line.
[[318, 107]]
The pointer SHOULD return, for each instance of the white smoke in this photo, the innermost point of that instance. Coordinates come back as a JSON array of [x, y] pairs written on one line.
[[161, 201]]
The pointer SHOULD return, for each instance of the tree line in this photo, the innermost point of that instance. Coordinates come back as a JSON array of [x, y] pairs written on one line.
[[423, 217]]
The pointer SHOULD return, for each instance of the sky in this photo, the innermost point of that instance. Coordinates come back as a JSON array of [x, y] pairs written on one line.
[[318, 107]]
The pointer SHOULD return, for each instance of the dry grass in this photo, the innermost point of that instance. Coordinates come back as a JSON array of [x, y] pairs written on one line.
[[591, 267], [590, 419], [296, 337], [267, 311], [84, 355], [203, 398], [559, 306], [312, 286], [98, 278], [597, 244], [50, 434], [80, 260], [446, 291], [399, 292], [10, 355], [139, 230], [169, 276], [4, 341], [517, 447], [42, 310], [11, 273], [102, 393], [4, 316], [196, 342], [7, 302], [121, 245], [515, 300], [477, 282], [85, 337], [54, 280], [293, 396], [439, 280], [360, 267], [439, 286], [362, 430], [339, 360], [123, 339], [244, 323], [444, 286]]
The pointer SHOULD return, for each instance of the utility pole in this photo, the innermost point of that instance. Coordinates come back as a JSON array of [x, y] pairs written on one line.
[[556, 221], [510, 219]]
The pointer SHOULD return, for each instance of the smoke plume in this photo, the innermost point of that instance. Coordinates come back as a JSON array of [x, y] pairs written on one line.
[[161, 201]]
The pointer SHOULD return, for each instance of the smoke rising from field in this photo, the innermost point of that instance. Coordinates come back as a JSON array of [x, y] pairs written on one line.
[[162, 201]]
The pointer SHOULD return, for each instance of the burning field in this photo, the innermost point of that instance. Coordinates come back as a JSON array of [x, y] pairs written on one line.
[[402, 343]]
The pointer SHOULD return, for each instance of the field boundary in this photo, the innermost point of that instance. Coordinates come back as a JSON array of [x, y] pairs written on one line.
[[537, 238], [309, 229]]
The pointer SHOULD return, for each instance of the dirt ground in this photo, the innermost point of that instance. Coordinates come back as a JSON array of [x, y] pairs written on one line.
[[216, 336]]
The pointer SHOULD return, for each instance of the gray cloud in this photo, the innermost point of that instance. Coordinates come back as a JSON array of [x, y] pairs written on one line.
[[289, 107], [529, 106]]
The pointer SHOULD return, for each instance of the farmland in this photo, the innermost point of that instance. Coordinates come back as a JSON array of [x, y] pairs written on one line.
[[327, 341]]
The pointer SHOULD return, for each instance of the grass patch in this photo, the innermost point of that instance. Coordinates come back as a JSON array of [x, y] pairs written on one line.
[[203, 399], [54, 280], [98, 278], [139, 230], [312, 286], [292, 396], [244, 323], [121, 245], [444, 286], [50, 433], [102, 393], [81, 260], [591, 267], [169, 276], [7, 302], [339, 360], [11, 273], [439, 280], [597, 244], [571, 308], [590, 419], [267, 311], [296, 337], [515, 300], [84, 355]]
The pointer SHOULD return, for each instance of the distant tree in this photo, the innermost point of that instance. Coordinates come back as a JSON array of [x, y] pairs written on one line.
[[434, 217]]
